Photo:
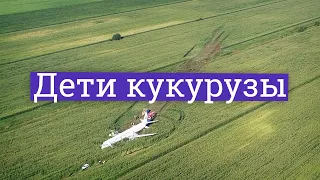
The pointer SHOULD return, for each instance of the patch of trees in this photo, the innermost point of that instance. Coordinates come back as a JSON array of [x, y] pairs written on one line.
[[116, 37]]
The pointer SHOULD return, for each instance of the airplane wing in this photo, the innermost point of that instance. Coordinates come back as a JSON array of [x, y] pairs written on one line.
[[144, 135]]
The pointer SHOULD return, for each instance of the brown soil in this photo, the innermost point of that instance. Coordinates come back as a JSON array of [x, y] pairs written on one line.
[[208, 52]]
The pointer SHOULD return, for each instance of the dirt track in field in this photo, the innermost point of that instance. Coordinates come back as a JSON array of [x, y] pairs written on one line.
[[206, 54]]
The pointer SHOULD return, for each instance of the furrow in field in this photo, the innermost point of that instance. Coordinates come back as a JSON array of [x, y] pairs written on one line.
[[25, 111]]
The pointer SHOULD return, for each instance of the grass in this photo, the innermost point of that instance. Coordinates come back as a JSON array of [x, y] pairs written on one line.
[[79, 33], [190, 131], [24, 45], [11, 7], [241, 140], [140, 52], [63, 13], [276, 141]]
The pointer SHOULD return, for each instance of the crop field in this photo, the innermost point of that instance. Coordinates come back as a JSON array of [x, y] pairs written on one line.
[[241, 140]]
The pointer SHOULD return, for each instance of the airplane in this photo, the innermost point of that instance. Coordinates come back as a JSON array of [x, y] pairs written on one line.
[[131, 133]]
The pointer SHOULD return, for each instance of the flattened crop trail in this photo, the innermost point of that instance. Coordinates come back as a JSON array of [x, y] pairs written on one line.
[[204, 133]]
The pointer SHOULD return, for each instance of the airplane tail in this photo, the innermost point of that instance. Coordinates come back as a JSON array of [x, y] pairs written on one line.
[[148, 116], [145, 115]]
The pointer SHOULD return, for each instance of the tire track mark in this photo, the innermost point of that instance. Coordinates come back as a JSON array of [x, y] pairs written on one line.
[[186, 54]]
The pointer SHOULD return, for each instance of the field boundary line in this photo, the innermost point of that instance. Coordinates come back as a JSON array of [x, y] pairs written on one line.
[[206, 132], [81, 19], [25, 111], [210, 17], [272, 32], [103, 41]]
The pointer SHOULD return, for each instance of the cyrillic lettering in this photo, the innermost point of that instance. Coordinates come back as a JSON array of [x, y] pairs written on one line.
[[193, 91], [265, 88], [109, 85], [154, 91], [38, 94], [253, 87], [281, 94], [85, 86], [174, 88], [135, 87], [209, 93], [63, 87], [233, 90]]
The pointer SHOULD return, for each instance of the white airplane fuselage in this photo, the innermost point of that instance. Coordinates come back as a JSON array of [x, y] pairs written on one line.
[[130, 133]]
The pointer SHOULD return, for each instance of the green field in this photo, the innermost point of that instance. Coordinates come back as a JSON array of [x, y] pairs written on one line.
[[11, 7], [242, 140]]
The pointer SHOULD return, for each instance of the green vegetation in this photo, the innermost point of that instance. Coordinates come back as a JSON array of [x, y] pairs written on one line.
[[54, 12], [116, 37], [301, 28], [253, 140], [275, 141], [10, 7], [57, 38]]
